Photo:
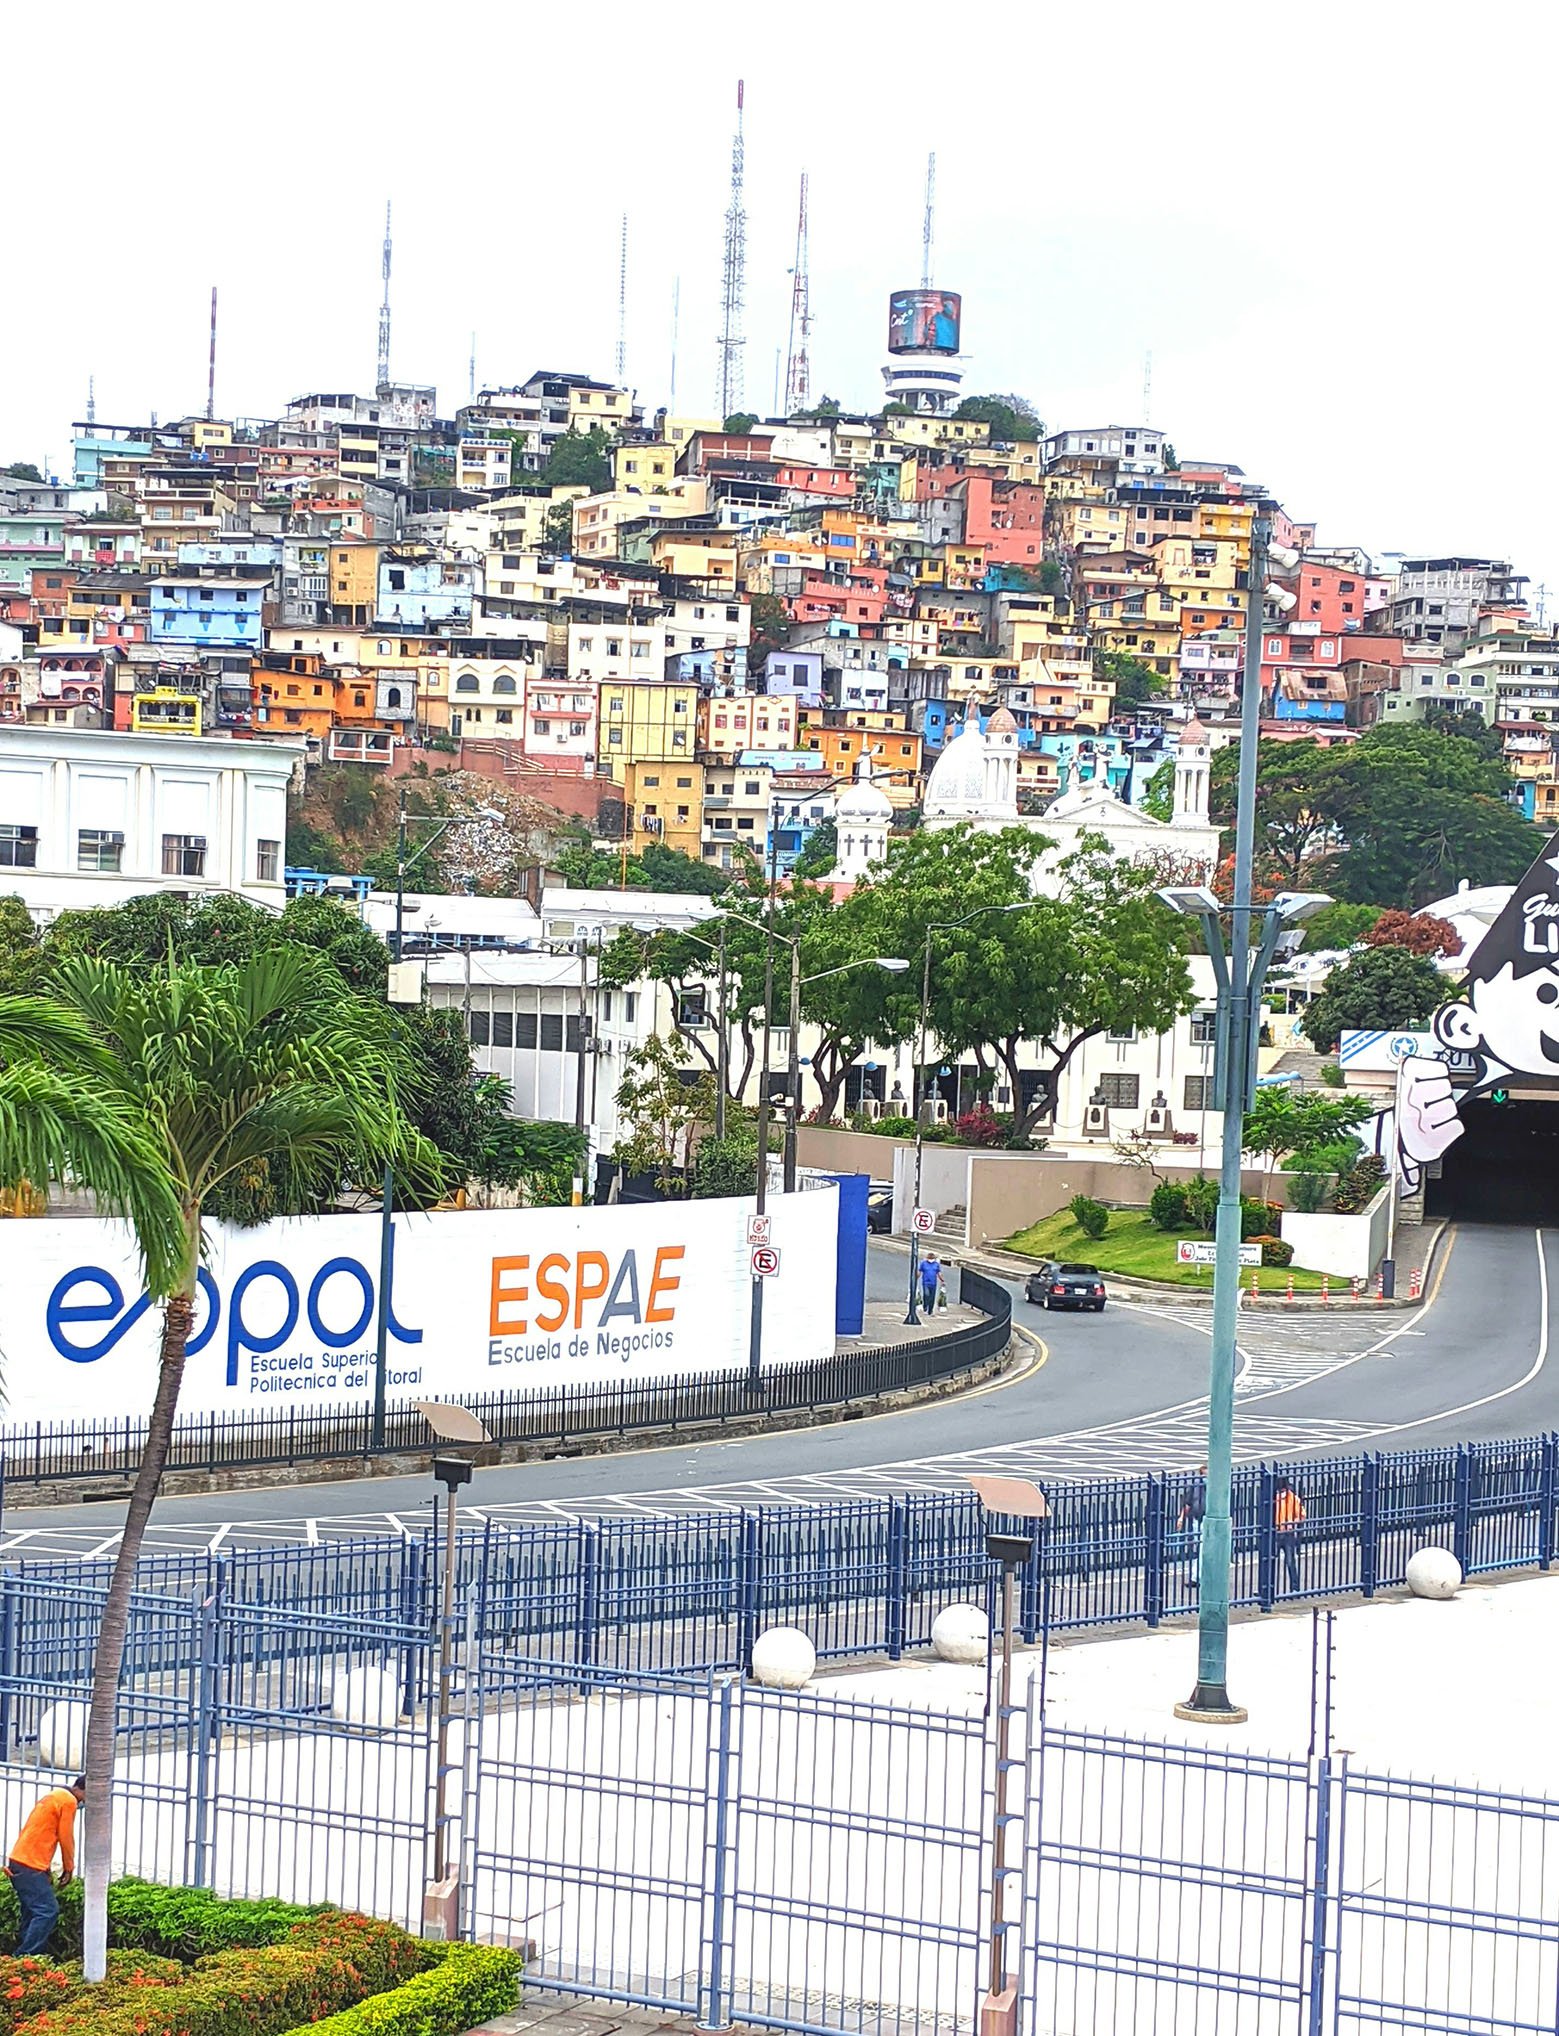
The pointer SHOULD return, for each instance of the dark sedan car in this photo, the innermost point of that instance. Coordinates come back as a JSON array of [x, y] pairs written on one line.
[[1065, 1286], [879, 1210]]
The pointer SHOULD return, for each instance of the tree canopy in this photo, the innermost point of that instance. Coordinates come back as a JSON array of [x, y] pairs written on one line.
[[1011, 418], [580, 459], [1135, 683], [1383, 988]]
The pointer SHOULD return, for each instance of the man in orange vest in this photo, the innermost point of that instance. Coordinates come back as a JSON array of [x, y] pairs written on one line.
[[51, 1827], [1288, 1512]]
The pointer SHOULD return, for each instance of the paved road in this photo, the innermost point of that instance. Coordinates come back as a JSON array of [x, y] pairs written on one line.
[[1103, 1395]]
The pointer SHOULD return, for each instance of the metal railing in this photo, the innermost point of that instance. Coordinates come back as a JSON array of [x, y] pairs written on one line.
[[47, 1452]]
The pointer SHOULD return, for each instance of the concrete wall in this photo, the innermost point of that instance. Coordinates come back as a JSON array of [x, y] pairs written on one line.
[[1349, 1247], [849, 1152]]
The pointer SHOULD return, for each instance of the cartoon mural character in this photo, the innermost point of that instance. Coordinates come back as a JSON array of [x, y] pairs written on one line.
[[1507, 1021]]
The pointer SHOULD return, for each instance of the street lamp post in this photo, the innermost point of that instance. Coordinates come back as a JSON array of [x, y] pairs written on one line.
[[403, 862], [1239, 975], [912, 1319]]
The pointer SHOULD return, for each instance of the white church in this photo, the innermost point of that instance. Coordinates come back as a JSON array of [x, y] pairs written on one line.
[[975, 783]]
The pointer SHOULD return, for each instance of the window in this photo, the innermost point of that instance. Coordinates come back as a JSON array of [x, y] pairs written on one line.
[[1199, 1092], [18, 847], [606, 1006], [479, 1028], [183, 855], [525, 1030], [267, 862], [630, 1006], [100, 851], [552, 1032], [1120, 1091], [573, 1036], [503, 1028], [1122, 1036], [1204, 1028]]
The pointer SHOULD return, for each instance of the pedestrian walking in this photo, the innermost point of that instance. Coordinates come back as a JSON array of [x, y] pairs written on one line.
[[1288, 1512], [51, 1827], [930, 1282], [1193, 1510]]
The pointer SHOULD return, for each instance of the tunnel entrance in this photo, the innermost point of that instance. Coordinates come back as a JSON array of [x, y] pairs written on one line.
[[1505, 1166]]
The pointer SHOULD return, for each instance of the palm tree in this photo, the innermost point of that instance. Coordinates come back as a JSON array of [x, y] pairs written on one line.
[[155, 1089]]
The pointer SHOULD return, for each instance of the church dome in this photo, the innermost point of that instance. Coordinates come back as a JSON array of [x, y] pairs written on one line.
[[1002, 722], [1195, 734], [863, 800], [956, 786]]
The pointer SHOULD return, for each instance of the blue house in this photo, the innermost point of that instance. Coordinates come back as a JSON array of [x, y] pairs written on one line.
[[222, 610]]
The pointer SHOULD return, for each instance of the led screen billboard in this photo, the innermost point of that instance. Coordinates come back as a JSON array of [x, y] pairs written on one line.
[[924, 321]]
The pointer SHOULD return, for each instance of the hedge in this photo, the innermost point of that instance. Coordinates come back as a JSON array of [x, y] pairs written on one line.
[[471, 1984], [29, 1986], [325, 1963], [182, 1923]]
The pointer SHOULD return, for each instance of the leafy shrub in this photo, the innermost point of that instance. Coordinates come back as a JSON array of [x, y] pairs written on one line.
[[1331, 1075], [471, 1984], [29, 1986], [1167, 1206], [982, 1126], [891, 1127], [726, 1166], [1258, 1218], [1307, 1190], [327, 1962], [1201, 1201], [1332, 1156], [1091, 1217], [1359, 1185], [1274, 1251]]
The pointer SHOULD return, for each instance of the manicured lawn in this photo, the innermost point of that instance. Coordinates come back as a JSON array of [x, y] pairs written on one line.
[[1136, 1248]]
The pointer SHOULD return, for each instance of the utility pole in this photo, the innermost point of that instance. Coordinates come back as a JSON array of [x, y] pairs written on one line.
[[926, 232], [384, 308], [733, 289], [798, 374], [211, 370]]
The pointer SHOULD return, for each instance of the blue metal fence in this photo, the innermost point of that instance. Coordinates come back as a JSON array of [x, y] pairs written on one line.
[[861, 1576]]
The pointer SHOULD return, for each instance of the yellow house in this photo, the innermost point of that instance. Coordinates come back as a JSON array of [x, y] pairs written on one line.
[[666, 801], [599, 518], [678, 430], [646, 721], [647, 468], [706, 555], [164, 710], [774, 550], [354, 579], [920, 428], [610, 408]]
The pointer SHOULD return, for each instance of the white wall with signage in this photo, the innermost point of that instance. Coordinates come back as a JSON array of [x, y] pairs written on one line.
[[481, 1302]]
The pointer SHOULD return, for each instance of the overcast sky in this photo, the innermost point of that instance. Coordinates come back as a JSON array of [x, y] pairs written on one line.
[[1330, 225]]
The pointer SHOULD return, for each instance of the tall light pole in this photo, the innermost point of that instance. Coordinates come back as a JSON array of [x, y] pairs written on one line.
[[912, 1319], [1239, 975], [403, 862]]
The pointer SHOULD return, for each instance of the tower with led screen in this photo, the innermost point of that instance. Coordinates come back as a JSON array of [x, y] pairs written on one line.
[[924, 329]]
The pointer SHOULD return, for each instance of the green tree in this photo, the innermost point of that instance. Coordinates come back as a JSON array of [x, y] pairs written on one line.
[[21, 470], [1339, 926], [154, 1088], [1467, 725], [726, 1166], [1012, 419], [1383, 988], [740, 422], [558, 527], [1158, 797], [580, 459], [771, 627], [820, 852], [669, 869], [1135, 683], [1293, 817], [1283, 1125], [662, 1102]]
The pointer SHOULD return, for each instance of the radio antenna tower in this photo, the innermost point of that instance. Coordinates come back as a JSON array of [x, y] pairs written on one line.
[[676, 320], [734, 281], [91, 399], [384, 308], [798, 373], [211, 370], [1147, 388], [622, 307], [473, 365], [926, 231]]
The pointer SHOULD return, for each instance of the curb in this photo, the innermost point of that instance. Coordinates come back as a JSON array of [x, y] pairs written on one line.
[[1009, 1266], [352, 1469]]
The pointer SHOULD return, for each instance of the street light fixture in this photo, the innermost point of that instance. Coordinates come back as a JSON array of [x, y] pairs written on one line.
[[396, 992], [1239, 974], [460, 1433], [912, 1319], [1017, 1498]]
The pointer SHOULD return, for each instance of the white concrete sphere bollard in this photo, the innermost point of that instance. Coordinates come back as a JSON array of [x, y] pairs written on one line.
[[959, 1634], [1433, 1573], [62, 1736], [367, 1696], [783, 1658]]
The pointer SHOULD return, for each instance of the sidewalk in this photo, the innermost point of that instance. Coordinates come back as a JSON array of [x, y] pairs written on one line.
[[550, 2017]]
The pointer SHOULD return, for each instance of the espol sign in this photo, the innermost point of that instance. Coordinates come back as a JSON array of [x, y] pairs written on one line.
[[479, 1302]]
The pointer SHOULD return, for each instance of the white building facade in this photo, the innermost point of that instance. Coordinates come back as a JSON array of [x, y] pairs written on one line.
[[90, 817]]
